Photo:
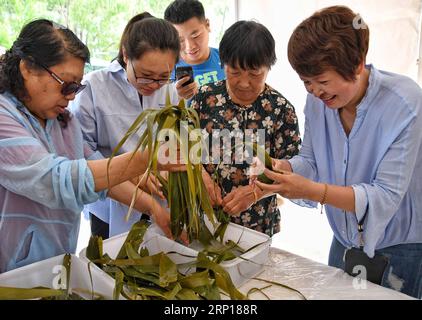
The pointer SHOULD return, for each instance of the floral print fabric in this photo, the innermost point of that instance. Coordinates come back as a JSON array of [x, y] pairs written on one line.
[[276, 119]]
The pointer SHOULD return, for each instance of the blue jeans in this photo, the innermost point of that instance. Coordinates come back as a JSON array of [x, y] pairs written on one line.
[[403, 272]]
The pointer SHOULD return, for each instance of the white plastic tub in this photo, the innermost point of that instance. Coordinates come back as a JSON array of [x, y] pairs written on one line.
[[249, 264], [240, 269], [47, 273], [154, 242]]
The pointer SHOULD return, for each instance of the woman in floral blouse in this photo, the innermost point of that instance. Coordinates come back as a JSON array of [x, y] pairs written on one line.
[[249, 109]]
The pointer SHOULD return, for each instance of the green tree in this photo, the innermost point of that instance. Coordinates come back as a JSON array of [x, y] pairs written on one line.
[[98, 23], [14, 14]]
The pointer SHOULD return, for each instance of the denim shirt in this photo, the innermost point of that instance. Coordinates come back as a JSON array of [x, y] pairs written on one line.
[[381, 159], [44, 183], [106, 109]]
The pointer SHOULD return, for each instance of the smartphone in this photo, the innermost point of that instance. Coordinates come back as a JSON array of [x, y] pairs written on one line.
[[182, 72]]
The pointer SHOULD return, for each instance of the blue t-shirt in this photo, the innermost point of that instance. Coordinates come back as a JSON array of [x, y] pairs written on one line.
[[208, 71]]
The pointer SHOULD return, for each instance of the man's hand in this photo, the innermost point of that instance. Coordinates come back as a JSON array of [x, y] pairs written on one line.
[[186, 92]]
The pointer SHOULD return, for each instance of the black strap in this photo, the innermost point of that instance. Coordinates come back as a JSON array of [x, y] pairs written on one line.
[[360, 229], [140, 99], [360, 223]]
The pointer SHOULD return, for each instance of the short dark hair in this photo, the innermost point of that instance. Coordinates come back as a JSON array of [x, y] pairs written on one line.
[[329, 39], [180, 11], [40, 42], [145, 33], [248, 45]]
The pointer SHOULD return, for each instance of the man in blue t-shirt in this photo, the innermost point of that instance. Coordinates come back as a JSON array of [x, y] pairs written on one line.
[[188, 17]]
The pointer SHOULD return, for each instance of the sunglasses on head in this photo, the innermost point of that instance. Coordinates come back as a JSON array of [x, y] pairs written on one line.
[[67, 87]]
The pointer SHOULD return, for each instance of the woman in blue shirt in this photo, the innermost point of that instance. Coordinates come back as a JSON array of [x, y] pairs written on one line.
[[115, 96], [47, 172], [361, 154]]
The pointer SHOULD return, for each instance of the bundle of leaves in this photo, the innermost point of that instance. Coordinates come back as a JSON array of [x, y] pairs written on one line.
[[259, 151], [185, 191], [140, 276]]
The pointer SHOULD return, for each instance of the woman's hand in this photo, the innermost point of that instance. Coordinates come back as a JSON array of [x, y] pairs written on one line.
[[213, 189], [257, 167], [290, 185], [188, 91], [150, 184], [281, 165], [240, 200], [161, 217]]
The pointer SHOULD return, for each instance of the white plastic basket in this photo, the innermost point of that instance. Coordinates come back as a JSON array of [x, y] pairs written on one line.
[[251, 263], [47, 273], [155, 243], [240, 269]]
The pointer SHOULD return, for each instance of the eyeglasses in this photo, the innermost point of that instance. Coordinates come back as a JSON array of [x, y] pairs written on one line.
[[67, 87], [142, 80]]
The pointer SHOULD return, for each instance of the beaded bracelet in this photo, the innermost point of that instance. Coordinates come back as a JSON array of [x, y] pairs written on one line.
[[324, 196]]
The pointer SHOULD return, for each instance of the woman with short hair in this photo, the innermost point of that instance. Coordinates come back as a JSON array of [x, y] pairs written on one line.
[[245, 104], [137, 80], [361, 154]]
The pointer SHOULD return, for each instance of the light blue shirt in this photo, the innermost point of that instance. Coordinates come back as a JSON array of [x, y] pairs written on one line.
[[207, 72], [44, 183], [106, 109], [381, 159]]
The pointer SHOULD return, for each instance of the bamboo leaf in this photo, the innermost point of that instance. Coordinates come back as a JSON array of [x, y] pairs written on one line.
[[119, 279], [283, 286], [94, 249], [7, 293], [168, 271], [268, 163], [187, 294], [171, 295], [136, 235], [197, 279], [222, 278]]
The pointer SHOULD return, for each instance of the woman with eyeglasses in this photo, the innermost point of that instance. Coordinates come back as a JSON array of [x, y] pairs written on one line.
[[47, 172], [138, 79]]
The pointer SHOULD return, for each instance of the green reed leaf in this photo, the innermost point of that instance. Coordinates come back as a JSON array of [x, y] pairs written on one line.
[[8, 293]]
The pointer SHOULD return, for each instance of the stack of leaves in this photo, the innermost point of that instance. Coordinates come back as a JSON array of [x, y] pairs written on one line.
[[42, 293], [140, 276], [217, 250], [185, 191]]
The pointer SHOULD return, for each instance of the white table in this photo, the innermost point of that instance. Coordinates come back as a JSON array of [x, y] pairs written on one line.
[[314, 280]]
